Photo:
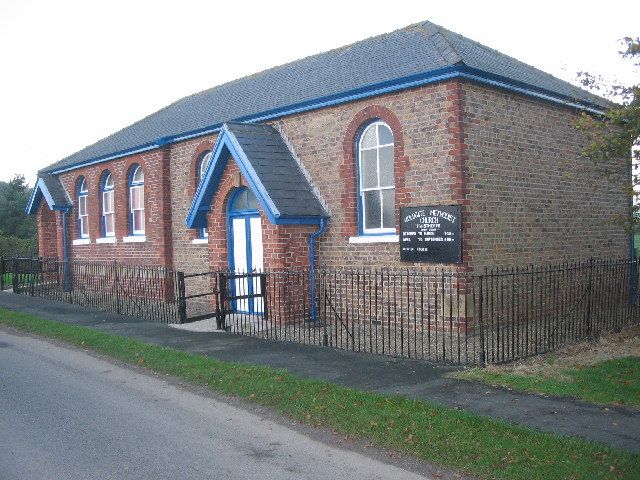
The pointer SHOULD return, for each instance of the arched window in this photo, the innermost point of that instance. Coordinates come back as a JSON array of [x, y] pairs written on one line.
[[83, 214], [202, 169], [108, 210], [376, 180], [136, 200]]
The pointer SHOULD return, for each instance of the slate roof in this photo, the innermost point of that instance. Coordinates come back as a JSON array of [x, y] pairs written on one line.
[[411, 51], [277, 169], [50, 188], [271, 170]]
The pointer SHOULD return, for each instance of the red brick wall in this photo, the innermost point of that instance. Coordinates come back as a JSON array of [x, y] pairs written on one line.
[[532, 198], [513, 162], [47, 230], [157, 249]]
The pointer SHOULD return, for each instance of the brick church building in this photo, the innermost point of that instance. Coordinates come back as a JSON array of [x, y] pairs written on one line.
[[322, 153]]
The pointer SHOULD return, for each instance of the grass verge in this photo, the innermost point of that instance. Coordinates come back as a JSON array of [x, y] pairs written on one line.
[[460, 440], [611, 382]]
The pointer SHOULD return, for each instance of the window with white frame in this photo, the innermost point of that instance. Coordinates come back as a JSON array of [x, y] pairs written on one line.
[[83, 215], [136, 200], [108, 210], [204, 163], [376, 180]]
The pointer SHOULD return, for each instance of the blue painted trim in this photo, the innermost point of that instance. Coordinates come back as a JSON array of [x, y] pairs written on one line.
[[130, 183], [79, 193], [65, 254], [356, 155], [312, 269], [434, 76], [480, 76], [246, 215], [227, 146], [202, 232], [103, 189], [39, 191]]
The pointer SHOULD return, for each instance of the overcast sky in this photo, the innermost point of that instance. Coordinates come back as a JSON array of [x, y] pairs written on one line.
[[73, 72]]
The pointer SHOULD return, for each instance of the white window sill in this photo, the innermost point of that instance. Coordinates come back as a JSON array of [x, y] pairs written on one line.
[[135, 239], [82, 241], [107, 240], [200, 241], [375, 239]]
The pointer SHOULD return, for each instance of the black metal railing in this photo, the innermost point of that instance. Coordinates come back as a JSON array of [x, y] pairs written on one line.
[[152, 293], [496, 316], [493, 316]]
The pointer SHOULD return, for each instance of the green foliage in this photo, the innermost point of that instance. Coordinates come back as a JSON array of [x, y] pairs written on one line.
[[18, 231], [13, 219], [615, 137], [11, 246], [479, 445]]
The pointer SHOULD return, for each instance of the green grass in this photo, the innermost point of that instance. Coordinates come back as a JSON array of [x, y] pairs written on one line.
[[612, 382], [478, 445]]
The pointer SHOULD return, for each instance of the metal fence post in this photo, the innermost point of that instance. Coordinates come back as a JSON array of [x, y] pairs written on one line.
[[222, 298], [14, 278], [182, 301], [589, 295], [2, 270], [263, 292], [116, 285]]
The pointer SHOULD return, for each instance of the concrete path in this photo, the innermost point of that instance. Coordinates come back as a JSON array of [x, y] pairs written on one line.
[[617, 427]]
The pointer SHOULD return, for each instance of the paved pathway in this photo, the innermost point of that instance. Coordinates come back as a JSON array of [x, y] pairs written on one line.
[[618, 427]]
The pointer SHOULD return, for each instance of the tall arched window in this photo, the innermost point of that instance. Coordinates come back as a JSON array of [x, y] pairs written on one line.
[[202, 169], [83, 214], [376, 180], [136, 200], [108, 210]]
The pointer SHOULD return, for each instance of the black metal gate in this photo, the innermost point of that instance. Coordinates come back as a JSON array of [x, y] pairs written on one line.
[[234, 289]]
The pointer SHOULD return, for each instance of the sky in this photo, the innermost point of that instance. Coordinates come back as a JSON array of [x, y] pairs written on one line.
[[73, 72]]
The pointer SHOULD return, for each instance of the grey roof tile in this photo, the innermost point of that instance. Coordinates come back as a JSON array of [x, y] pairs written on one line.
[[277, 169], [417, 49]]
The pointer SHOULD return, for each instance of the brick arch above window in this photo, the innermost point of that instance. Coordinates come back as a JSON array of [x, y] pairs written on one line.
[[201, 149], [348, 167]]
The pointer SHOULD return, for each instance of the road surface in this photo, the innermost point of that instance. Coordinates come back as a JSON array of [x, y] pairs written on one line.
[[65, 414]]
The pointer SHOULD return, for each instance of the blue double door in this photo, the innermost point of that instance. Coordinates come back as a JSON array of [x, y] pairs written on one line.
[[246, 251]]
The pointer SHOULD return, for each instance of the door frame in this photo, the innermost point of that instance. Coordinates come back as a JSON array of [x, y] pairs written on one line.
[[246, 215]]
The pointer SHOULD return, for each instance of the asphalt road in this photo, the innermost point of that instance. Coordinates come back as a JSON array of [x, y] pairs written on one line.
[[65, 414]]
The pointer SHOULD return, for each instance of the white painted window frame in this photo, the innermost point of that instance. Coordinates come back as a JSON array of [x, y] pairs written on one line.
[[379, 189]]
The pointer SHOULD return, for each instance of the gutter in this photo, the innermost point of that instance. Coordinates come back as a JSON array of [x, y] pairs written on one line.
[[371, 90]]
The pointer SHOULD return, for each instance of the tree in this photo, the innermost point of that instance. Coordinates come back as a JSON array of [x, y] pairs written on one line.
[[615, 136], [14, 222]]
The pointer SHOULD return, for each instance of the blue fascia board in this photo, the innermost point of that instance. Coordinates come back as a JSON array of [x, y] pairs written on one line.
[[39, 191], [491, 79], [374, 89], [196, 217], [299, 220], [227, 146], [33, 201], [112, 156]]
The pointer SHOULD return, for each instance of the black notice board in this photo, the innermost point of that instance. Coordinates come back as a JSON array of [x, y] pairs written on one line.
[[431, 234]]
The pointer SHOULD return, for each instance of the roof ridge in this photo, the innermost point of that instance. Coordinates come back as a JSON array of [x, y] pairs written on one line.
[[446, 33]]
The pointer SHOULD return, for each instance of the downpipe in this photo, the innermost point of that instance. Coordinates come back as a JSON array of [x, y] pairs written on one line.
[[65, 254], [312, 267]]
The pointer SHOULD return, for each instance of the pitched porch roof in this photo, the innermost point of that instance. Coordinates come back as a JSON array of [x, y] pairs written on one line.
[[49, 188], [271, 171]]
